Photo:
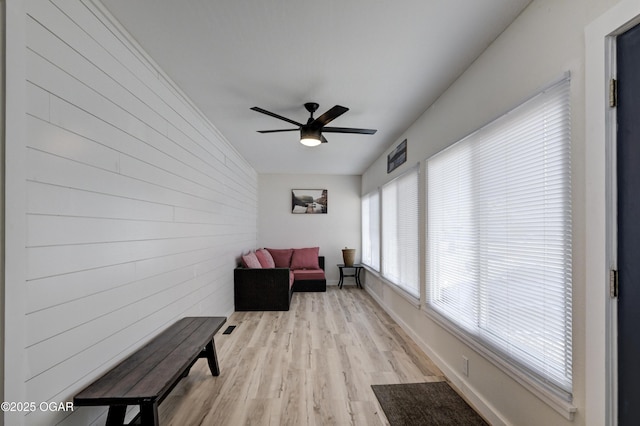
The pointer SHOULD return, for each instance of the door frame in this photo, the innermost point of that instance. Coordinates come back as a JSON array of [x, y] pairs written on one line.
[[601, 399], [614, 230]]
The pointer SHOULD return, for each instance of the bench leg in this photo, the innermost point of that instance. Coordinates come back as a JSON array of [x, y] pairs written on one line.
[[115, 416], [212, 358], [186, 373], [149, 414]]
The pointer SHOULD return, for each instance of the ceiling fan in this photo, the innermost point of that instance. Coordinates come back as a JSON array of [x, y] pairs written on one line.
[[311, 133]]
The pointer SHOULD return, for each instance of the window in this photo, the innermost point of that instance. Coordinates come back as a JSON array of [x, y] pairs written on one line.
[[400, 232], [371, 230], [499, 237]]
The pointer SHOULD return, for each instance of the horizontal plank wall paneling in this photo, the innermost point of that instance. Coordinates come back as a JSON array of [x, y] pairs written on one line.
[[136, 207]]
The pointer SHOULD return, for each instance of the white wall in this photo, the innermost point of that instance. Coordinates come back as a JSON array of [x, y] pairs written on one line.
[[14, 214], [136, 208], [545, 41], [340, 227], [2, 150]]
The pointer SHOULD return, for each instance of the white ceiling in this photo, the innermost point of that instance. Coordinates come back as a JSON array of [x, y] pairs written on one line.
[[387, 61]]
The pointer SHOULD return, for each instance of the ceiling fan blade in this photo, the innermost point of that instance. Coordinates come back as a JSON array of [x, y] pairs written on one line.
[[277, 131], [274, 115], [329, 116], [323, 139], [349, 130]]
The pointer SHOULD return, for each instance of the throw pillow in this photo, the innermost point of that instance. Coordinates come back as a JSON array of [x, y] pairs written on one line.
[[281, 257], [305, 258], [265, 259], [250, 260]]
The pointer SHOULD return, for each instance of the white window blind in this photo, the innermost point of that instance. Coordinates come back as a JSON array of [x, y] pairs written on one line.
[[499, 237], [400, 232], [371, 230]]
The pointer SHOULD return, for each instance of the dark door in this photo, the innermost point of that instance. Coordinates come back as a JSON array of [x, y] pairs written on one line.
[[628, 159]]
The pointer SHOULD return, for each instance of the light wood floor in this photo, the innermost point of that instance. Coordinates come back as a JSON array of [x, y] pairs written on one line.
[[312, 365]]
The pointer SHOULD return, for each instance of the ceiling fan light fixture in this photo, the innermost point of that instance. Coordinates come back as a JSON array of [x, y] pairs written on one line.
[[310, 142], [310, 137], [311, 133]]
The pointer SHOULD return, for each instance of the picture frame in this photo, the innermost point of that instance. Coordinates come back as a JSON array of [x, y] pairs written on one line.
[[309, 201], [397, 157]]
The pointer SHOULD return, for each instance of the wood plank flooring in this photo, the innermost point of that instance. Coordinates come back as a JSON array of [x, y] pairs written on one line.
[[313, 365]]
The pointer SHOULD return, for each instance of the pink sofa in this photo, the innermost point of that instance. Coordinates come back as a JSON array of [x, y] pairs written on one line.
[[267, 278]]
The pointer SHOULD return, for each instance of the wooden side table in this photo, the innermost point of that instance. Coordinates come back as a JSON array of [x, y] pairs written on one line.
[[356, 273]]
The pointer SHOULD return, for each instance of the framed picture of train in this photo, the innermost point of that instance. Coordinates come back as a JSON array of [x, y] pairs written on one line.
[[309, 201]]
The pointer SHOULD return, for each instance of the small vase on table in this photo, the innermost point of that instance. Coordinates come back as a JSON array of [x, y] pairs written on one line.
[[348, 256]]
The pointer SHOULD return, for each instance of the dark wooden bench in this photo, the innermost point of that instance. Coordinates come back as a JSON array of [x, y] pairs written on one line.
[[147, 376]]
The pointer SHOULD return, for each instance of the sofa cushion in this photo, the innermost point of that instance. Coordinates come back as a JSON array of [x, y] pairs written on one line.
[[305, 258], [292, 278], [281, 257], [308, 274], [265, 259], [250, 260]]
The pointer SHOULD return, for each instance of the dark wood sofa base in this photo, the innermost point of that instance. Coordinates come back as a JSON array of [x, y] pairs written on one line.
[[267, 289], [262, 289], [310, 285]]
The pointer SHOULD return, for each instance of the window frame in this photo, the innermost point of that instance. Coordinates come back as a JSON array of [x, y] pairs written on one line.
[[373, 220], [558, 399], [413, 293]]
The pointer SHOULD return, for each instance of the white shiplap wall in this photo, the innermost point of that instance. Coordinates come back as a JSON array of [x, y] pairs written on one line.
[[137, 208]]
